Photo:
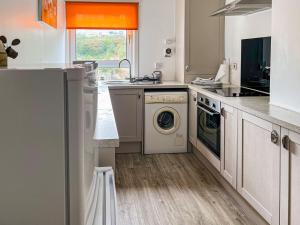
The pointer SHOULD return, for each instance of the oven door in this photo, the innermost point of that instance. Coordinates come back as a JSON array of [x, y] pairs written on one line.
[[208, 128]]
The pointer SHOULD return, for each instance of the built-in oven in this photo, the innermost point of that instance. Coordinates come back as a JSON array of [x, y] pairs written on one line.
[[208, 123]]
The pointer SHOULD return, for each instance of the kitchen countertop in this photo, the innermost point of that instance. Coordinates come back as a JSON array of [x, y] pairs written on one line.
[[259, 107], [106, 132], [148, 85]]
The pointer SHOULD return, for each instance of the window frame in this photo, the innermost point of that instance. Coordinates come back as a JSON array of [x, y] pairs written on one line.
[[132, 42]]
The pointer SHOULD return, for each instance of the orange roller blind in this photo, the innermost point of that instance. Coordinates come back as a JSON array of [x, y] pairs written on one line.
[[102, 15]]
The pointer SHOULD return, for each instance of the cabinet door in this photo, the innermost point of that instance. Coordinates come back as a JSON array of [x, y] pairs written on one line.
[[128, 111], [259, 165], [204, 37], [290, 179], [229, 144], [193, 117]]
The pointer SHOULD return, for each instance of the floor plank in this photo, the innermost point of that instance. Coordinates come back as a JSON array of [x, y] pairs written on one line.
[[171, 189]]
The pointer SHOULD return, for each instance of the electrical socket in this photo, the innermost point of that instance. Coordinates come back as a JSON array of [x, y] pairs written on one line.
[[234, 66], [169, 41], [158, 65]]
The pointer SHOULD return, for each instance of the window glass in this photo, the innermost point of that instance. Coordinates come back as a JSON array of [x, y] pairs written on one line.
[[100, 44], [107, 47]]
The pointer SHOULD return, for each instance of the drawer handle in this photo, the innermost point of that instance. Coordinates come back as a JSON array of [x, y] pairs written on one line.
[[286, 142], [274, 137]]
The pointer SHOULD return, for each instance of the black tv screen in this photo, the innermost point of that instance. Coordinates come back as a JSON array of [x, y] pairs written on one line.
[[255, 63]]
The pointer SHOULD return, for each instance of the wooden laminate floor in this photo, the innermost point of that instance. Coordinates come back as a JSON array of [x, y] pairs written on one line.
[[172, 189]]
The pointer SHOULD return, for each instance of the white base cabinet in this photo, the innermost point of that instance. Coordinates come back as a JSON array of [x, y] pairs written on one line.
[[128, 110], [290, 178], [261, 160], [229, 133], [259, 165]]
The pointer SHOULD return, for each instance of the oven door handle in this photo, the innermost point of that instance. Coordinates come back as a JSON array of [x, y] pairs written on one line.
[[207, 111]]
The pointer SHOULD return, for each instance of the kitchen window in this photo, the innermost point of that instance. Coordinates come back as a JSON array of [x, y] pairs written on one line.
[[106, 32], [107, 47]]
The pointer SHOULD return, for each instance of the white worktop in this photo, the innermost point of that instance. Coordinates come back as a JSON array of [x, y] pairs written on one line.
[[106, 130], [149, 85], [259, 107]]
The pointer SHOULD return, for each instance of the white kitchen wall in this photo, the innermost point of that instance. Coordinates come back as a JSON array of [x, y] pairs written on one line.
[[242, 27], [43, 44], [157, 23], [285, 72], [40, 43]]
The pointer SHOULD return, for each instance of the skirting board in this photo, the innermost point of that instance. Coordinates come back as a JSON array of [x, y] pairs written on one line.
[[244, 206], [129, 147]]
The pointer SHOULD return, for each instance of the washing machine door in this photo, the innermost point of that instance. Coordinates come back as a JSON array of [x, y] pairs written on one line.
[[166, 120]]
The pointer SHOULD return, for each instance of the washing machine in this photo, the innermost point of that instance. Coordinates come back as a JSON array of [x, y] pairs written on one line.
[[165, 122]]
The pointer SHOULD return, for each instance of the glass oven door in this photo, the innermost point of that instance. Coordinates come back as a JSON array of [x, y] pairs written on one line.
[[208, 128]]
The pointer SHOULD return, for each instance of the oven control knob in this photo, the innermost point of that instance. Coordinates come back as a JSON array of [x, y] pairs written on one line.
[[214, 105], [206, 101], [201, 99]]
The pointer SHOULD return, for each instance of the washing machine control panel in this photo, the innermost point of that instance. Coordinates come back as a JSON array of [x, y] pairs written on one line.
[[166, 98]]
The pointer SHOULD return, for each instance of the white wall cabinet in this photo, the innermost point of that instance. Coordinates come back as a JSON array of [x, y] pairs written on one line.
[[193, 117], [290, 178], [229, 145], [259, 165], [199, 38]]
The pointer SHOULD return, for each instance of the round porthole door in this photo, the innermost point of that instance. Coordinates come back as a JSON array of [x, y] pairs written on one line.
[[166, 120]]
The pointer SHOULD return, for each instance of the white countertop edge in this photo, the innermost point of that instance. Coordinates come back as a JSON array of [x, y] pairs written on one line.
[[164, 84], [259, 107], [106, 132]]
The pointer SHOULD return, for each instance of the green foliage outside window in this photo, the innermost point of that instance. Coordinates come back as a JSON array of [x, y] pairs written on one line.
[[100, 45]]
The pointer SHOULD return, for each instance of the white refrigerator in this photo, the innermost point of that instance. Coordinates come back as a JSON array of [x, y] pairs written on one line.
[[41, 146]]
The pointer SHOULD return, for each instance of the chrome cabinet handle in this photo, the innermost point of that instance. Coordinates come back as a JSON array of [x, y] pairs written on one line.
[[286, 142], [274, 137]]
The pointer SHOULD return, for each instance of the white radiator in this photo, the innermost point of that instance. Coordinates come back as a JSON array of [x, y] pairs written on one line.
[[101, 201]]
